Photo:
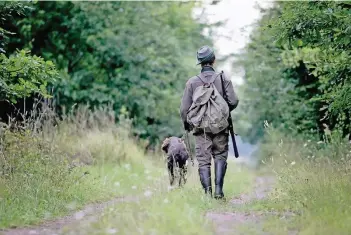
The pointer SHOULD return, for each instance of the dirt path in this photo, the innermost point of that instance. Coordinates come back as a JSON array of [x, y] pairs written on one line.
[[87, 215], [225, 222], [233, 222]]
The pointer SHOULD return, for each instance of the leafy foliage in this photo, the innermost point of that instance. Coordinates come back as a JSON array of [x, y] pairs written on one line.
[[21, 74], [297, 69], [136, 55], [7, 11]]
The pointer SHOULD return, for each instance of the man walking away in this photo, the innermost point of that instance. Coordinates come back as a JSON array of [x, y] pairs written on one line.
[[208, 120]]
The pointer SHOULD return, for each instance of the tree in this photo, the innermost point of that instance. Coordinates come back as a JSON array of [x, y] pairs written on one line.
[[297, 73], [136, 55]]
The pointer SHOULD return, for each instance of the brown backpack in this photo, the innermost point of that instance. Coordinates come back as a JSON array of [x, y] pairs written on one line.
[[209, 111]]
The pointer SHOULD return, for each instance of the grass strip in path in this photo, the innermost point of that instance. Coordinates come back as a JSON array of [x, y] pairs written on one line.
[[162, 211]]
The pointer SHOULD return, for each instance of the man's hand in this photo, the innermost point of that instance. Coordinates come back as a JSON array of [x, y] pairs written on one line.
[[187, 126]]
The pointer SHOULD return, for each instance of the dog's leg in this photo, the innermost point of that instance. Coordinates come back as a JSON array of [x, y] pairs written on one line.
[[180, 176], [185, 173], [170, 170], [182, 171]]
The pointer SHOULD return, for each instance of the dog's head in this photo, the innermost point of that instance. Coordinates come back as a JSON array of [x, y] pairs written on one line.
[[165, 145]]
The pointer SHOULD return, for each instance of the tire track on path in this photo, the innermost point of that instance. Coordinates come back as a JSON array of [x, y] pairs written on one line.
[[226, 223], [87, 215]]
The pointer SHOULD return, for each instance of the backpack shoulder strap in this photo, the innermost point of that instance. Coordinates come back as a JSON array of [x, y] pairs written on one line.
[[213, 78], [201, 78]]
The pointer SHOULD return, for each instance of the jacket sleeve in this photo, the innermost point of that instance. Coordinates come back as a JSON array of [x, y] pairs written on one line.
[[233, 99], [186, 102]]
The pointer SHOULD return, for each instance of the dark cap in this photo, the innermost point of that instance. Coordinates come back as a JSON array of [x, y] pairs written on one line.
[[205, 54]]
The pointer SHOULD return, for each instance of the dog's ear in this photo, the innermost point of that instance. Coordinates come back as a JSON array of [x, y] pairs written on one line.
[[165, 145]]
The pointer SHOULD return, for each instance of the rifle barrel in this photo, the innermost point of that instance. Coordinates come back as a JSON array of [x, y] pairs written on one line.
[[230, 121]]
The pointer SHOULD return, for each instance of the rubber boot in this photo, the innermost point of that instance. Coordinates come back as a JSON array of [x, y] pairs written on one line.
[[205, 178], [220, 170]]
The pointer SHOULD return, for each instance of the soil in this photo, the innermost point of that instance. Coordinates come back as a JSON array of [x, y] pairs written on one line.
[[240, 223], [87, 215]]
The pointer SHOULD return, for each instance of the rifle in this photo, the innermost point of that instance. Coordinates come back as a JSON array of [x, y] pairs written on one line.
[[231, 129]]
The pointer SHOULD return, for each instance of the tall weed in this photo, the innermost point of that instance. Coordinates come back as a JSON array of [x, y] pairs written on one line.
[[313, 181], [49, 163]]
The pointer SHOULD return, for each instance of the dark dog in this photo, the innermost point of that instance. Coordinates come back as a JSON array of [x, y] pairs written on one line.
[[177, 157]]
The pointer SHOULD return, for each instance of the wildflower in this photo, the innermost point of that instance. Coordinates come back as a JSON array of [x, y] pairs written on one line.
[[47, 215], [149, 177], [79, 215], [170, 188], [71, 206], [147, 193], [293, 163], [111, 231]]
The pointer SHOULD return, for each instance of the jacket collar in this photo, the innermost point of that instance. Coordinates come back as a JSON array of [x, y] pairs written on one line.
[[207, 69]]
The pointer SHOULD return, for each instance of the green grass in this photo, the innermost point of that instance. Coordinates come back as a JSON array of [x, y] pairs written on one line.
[[32, 199], [164, 211], [313, 182], [52, 173]]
